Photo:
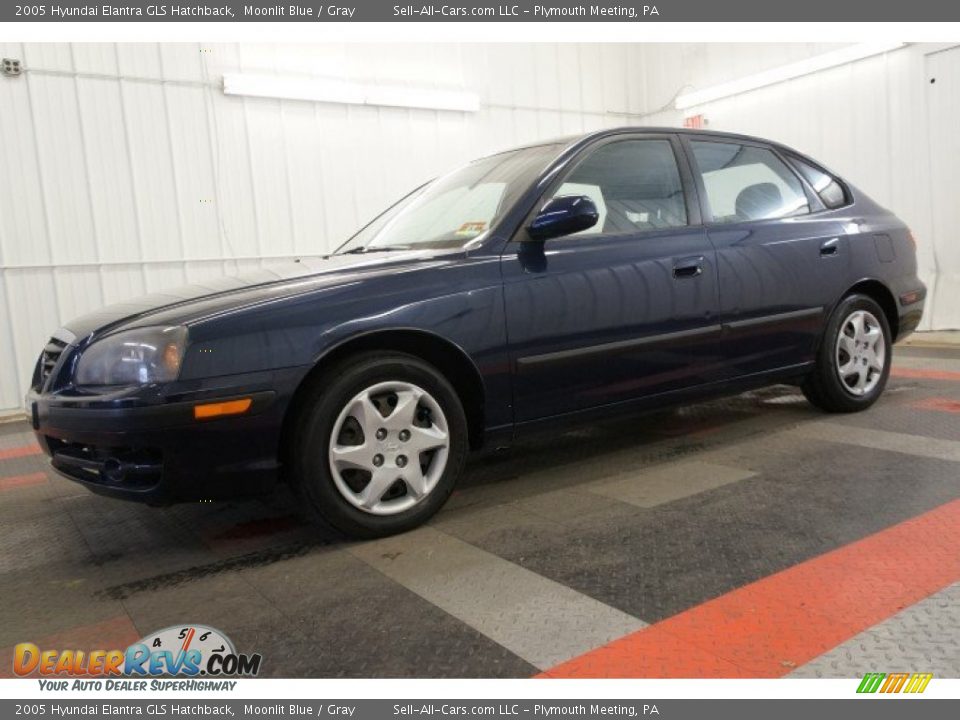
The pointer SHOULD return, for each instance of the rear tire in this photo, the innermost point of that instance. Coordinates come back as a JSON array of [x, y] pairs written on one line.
[[379, 445], [853, 361]]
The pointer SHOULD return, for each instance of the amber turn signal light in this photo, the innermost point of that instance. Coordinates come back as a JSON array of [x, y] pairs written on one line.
[[212, 410]]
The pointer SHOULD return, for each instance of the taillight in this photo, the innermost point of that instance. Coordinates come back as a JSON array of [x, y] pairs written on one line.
[[913, 238]]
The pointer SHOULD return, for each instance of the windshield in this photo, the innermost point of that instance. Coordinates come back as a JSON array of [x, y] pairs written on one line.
[[457, 208]]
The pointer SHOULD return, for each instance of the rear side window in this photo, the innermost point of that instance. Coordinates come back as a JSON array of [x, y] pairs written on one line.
[[744, 182], [827, 187], [635, 185]]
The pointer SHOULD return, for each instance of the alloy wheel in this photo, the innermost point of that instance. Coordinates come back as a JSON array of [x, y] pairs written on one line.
[[389, 448], [861, 352]]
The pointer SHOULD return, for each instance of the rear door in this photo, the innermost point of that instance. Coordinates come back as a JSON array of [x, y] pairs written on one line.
[[782, 263], [621, 310]]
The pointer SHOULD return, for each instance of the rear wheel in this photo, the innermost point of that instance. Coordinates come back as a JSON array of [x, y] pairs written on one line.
[[380, 445], [853, 362]]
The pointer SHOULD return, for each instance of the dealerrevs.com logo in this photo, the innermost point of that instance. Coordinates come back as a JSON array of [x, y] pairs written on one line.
[[179, 651]]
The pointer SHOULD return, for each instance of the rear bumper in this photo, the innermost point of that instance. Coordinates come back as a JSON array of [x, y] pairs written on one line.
[[158, 453]]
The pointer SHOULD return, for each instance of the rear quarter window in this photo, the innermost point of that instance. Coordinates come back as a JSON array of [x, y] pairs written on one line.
[[830, 190]]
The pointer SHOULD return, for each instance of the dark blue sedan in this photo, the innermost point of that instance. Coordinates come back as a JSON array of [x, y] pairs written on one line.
[[624, 270]]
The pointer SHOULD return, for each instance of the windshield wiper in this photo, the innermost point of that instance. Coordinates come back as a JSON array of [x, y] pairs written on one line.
[[364, 249]]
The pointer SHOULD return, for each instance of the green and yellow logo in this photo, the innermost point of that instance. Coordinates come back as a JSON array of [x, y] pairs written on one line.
[[894, 682]]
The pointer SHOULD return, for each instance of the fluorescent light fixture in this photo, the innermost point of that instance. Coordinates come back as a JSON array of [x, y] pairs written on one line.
[[344, 92], [785, 72]]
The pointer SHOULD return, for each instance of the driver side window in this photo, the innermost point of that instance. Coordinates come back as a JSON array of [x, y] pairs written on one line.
[[635, 185]]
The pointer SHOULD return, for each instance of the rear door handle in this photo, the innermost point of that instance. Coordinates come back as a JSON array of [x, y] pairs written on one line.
[[829, 248], [688, 267]]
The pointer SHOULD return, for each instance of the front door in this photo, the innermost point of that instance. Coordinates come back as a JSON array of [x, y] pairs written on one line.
[[624, 309]]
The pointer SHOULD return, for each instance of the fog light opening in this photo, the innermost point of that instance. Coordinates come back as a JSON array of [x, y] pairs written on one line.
[[114, 470]]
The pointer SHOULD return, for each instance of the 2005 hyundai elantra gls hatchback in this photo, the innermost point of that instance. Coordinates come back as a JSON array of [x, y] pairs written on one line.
[[571, 279]]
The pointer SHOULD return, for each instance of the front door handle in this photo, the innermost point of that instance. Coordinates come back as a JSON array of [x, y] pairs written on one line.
[[688, 267], [829, 248]]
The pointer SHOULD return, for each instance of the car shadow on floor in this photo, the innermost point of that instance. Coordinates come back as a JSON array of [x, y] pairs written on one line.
[[257, 531]]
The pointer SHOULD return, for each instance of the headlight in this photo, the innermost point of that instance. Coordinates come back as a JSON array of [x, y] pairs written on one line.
[[134, 357]]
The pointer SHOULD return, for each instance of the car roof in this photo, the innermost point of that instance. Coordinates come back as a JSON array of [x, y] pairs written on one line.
[[678, 131], [582, 138]]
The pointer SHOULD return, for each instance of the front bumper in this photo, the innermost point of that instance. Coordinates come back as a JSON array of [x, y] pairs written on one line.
[[150, 448]]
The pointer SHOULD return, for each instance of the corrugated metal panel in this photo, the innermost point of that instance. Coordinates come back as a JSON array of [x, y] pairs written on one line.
[[23, 232], [108, 171], [943, 93], [95, 58], [33, 309], [10, 382], [151, 170]]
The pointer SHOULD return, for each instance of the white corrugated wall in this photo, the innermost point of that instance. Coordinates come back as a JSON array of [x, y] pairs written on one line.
[[124, 168]]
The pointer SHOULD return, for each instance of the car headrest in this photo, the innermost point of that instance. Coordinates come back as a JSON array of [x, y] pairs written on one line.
[[758, 201]]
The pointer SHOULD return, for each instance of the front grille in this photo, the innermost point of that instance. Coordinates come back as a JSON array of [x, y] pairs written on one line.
[[48, 362]]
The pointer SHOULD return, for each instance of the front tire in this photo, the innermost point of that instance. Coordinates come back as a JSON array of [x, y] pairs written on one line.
[[380, 445], [853, 362]]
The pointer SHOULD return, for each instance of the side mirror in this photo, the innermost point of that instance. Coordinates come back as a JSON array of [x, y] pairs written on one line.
[[564, 215]]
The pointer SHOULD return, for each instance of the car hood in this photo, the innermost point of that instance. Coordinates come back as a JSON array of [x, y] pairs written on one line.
[[199, 300]]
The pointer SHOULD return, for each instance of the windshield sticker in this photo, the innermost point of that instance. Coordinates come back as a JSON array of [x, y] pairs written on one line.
[[472, 228]]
